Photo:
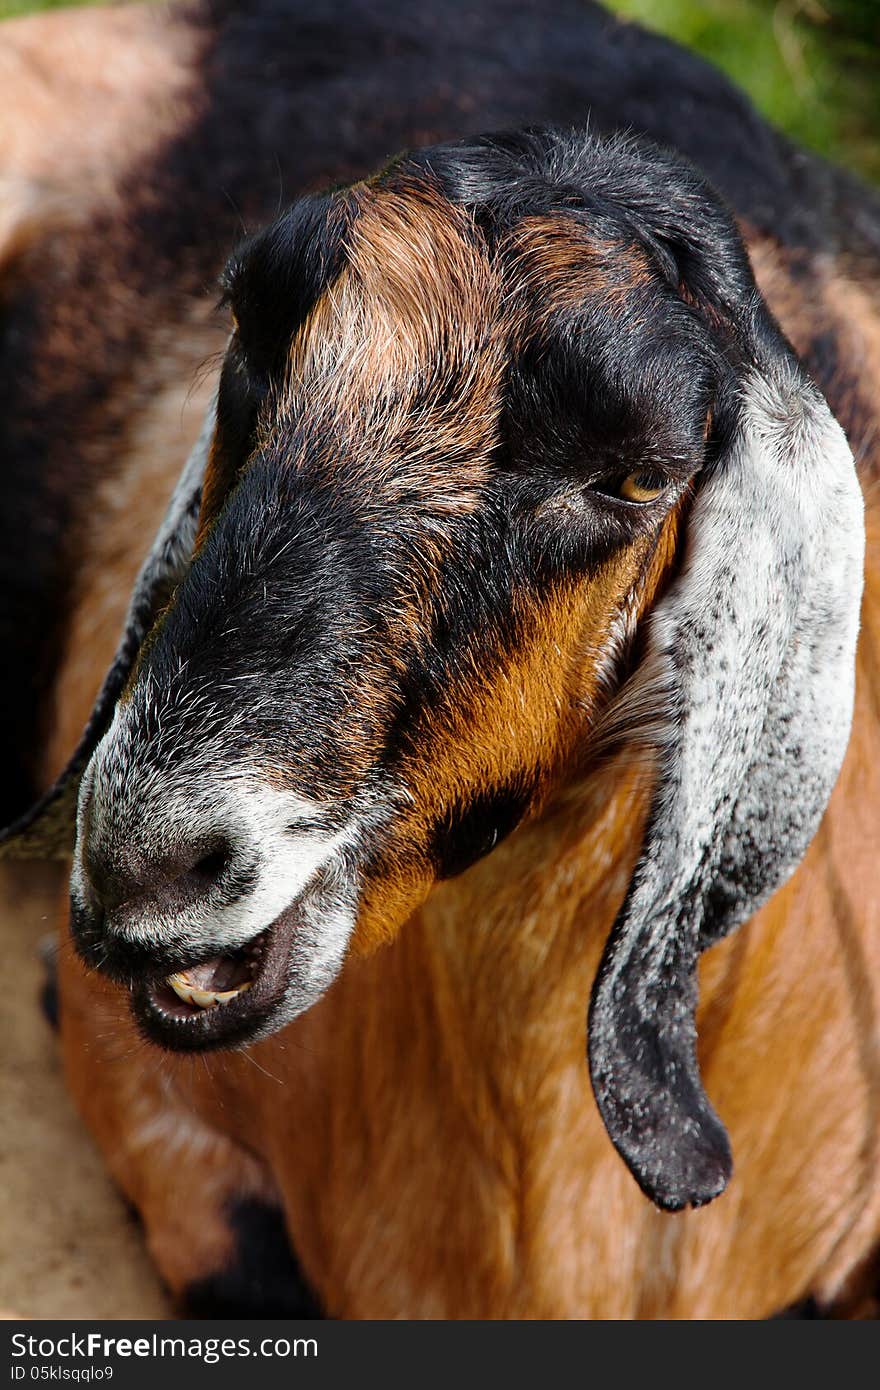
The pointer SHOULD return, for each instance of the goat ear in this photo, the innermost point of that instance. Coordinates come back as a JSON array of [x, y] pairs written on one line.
[[753, 648], [48, 829]]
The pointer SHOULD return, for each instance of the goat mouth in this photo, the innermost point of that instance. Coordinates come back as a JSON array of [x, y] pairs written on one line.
[[223, 1001], [212, 984]]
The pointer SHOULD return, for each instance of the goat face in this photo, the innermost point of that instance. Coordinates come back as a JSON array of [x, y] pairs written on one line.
[[463, 412]]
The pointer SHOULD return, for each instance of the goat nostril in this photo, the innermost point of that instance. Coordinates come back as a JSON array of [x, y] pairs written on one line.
[[209, 868], [170, 882]]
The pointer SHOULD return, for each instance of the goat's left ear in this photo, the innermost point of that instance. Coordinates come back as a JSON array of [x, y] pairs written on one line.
[[753, 648], [48, 829]]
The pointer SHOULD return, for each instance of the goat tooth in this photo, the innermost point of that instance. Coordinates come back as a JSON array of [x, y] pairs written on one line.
[[181, 986], [224, 995], [203, 998]]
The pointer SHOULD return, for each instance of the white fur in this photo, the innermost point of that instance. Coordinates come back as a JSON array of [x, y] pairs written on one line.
[[129, 807]]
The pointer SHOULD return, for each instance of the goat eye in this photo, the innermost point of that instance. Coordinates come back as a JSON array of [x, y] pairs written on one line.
[[644, 486]]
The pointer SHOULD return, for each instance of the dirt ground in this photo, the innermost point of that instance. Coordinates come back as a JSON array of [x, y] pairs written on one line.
[[68, 1248]]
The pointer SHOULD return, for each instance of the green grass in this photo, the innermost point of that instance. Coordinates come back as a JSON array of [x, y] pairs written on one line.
[[10, 8], [811, 66]]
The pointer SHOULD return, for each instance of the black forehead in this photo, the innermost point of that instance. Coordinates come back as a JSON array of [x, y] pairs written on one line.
[[642, 190], [621, 189], [275, 277]]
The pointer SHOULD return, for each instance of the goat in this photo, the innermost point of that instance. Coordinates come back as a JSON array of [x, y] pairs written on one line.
[[496, 429]]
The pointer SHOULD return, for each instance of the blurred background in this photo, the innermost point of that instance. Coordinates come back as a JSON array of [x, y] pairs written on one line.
[[811, 66]]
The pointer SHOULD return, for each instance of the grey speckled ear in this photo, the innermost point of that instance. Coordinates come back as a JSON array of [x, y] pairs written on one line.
[[47, 830], [753, 646]]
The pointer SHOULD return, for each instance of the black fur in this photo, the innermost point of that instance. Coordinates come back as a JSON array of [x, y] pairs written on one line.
[[274, 279], [263, 1278], [283, 647], [294, 96], [50, 1001], [806, 1311], [467, 832], [584, 407]]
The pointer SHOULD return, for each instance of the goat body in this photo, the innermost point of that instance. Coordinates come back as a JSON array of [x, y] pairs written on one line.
[[427, 1127]]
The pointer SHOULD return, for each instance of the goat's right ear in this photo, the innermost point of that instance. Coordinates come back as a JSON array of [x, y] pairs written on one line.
[[752, 649], [47, 830]]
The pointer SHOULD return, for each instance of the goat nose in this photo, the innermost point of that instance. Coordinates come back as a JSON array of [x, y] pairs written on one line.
[[165, 882]]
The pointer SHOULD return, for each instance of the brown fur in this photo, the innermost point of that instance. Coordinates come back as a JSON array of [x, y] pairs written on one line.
[[145, 1139], [825, 303], [421, 299], [429, 1125], [444, 1157], [557, 274], [166, 412], [413, 269], [495, 727], [86, 95], [89, 98], [530, 714]]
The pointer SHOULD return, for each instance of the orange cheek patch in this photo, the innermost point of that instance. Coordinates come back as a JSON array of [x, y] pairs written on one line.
[[526, 725], [395, 889]]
